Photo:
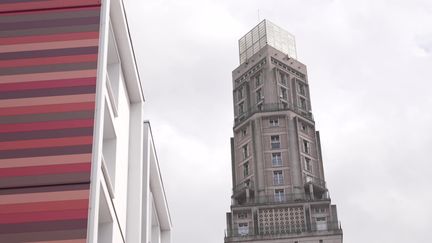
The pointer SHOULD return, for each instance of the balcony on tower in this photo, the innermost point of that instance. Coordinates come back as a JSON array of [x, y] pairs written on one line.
[[243, 192], [315, 187]]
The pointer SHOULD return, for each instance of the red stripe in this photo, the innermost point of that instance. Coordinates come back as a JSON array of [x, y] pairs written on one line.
[[49, 38], [43, 216], [47, 109], [48, 60], [8, 7], [43, 143], [48, 84], [46, 169], [44, 206], [51, 125]]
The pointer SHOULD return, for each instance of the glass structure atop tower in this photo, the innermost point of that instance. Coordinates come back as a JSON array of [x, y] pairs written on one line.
[[266, 33]]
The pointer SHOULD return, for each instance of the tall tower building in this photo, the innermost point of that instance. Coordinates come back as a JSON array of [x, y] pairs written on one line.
[[279, 190]]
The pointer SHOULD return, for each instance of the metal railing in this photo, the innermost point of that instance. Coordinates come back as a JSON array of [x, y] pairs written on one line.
[[282, 230], [268, 107], [278, 199]]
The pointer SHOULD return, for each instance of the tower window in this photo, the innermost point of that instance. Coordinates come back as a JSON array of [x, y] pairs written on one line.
[[279, 195], [241, 108], [301, 89], [243, 228], [274, 122], [278, 177], [245, 151], [283, 93], [258, 80], [303, 103], [246, 169], [242, 215], [259, 95], [306, 146], [276, 159], [240, 94], [275, 142], [308, 165], [282, 78]]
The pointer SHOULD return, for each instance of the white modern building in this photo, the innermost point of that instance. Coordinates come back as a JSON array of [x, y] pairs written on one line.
[[77, 159]]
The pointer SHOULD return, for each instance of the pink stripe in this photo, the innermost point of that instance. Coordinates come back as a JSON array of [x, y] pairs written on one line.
[[50, 125], [45, 160], [43, 197], [48, 38], [48, 60], [47, 100], [48, 45], [47, 76], [48, 84], [43, 216], [45, 170], [42, 143]]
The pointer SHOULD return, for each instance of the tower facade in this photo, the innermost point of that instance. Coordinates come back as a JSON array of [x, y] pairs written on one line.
[[279, 190]]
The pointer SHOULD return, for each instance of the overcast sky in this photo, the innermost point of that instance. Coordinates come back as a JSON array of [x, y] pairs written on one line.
[[370, 74]]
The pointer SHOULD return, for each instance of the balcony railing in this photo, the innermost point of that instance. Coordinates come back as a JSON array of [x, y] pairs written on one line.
[[315, 181], [278, 199], [279, 231], [272, 107], [242, 186]]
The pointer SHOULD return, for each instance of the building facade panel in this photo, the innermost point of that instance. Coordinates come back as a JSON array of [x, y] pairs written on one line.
[[48, 65]]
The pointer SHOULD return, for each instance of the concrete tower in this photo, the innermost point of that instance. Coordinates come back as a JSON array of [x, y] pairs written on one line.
[[279, 190]]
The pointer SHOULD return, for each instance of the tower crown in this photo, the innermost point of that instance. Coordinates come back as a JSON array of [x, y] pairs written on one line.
[[266, 33]]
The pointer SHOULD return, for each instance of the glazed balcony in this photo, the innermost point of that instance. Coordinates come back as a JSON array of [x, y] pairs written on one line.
[[281, 199], [269, 107]]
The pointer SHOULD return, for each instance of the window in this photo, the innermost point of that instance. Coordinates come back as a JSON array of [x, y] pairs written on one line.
[[242, 215], [308, 165], [301, 89], [246, 169], [243, 132], [303, 103], [258, 80], [259, 96], [279, 195], [282, 78], [276, 159], [243, 228], [240, 94], [275, 142], [278, 177], [283, 93], [241, 108], [321, 223], [274, 122], [245, 151], [306, 146], [304, 127], [284, 105]]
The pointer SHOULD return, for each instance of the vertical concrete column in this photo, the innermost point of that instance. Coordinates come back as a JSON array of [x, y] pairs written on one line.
[[294, 157], [135, 174]]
